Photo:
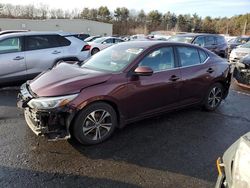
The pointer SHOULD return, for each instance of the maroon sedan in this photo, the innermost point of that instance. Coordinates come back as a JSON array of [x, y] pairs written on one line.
[[121, 84]]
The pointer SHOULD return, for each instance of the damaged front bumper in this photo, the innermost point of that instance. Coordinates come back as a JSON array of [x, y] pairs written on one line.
[[242, 72], [53, 124]]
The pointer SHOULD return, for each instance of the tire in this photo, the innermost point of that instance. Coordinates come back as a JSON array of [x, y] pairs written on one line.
[[89, 129], [213, 97], [94, 51]]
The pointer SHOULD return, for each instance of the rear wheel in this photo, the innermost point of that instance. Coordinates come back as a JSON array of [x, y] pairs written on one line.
[[213, 97], [95, 123], [94, 51]]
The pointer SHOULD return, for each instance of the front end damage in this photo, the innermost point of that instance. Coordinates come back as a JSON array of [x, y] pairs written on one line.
[[52, 123], [242, 71]]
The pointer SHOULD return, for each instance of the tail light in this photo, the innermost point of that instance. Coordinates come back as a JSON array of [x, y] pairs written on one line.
[[86, 48]]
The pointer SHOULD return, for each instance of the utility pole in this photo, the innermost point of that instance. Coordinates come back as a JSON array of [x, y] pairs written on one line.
[[244, 29], [227, 29]]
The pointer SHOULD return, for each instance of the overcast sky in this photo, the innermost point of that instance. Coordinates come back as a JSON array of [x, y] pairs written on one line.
[[213, 8]]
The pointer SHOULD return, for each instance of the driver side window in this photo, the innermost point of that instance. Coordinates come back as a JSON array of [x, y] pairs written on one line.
[[10, 45], [160, 59]]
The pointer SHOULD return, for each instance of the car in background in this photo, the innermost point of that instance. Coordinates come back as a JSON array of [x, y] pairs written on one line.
[[80, 36], [242, 72], [91, 38], [138, 37], [239, 52], [212, 42], [12, 31], [232, 44], [234, 167], [230, 38], [121, 84], [24, 55], [102, 43]]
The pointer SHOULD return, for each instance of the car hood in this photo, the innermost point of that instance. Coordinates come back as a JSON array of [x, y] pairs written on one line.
[[242, 50], [65, 79]]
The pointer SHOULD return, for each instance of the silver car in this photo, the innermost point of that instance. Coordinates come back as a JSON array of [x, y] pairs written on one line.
[[24, 55], [234, 167], [239, 52]]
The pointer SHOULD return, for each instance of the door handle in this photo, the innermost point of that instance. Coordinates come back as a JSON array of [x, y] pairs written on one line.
[[210, 70], [56, 52], [18, 58], [174, 78]]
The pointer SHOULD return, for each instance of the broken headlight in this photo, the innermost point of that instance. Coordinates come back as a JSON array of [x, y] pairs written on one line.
[[44, 103]]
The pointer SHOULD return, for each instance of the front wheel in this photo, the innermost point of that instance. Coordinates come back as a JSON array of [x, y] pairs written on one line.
[[213, 97], [95, 123]]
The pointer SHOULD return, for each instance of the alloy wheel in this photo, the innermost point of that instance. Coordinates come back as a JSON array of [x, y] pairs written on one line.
[[215, 97], [97, 124]]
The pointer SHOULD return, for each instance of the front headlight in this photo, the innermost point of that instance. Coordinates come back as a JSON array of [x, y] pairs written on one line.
[[44, 103]]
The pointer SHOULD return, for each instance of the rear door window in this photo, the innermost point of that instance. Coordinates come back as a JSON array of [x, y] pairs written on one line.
[[109, 41], [38, 42], [118, 40], [188, 56], [10, 45]]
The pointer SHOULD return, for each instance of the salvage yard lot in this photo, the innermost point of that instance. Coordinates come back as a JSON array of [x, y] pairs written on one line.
[[173, 150]]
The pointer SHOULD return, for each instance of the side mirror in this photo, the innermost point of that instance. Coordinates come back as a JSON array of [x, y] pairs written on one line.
[[104, 42], [143, 71]]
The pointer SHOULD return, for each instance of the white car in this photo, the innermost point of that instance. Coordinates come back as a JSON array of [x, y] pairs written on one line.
[[239, 52], [102, 43]]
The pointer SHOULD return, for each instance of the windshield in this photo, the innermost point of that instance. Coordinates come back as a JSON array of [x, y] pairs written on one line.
[[185, 39], [241, 40], [247, 45], [113, 59], [99, 40]]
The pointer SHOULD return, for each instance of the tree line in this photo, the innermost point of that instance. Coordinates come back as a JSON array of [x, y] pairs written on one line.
[[127, 22]]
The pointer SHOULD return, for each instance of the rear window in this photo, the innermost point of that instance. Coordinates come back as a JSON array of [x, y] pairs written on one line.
[[63, 41], [188, 56]]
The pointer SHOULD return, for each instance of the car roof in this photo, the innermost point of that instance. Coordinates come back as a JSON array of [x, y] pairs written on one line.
[[197, 34], [149, 44], [31, 33]]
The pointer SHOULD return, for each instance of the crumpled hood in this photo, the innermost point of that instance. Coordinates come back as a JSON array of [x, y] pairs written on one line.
[[66, 79]]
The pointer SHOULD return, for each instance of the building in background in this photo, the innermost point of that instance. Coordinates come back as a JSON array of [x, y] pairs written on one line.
[[67, 25]]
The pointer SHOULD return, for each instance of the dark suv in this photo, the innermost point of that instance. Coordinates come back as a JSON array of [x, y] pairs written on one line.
[[212, 42]]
